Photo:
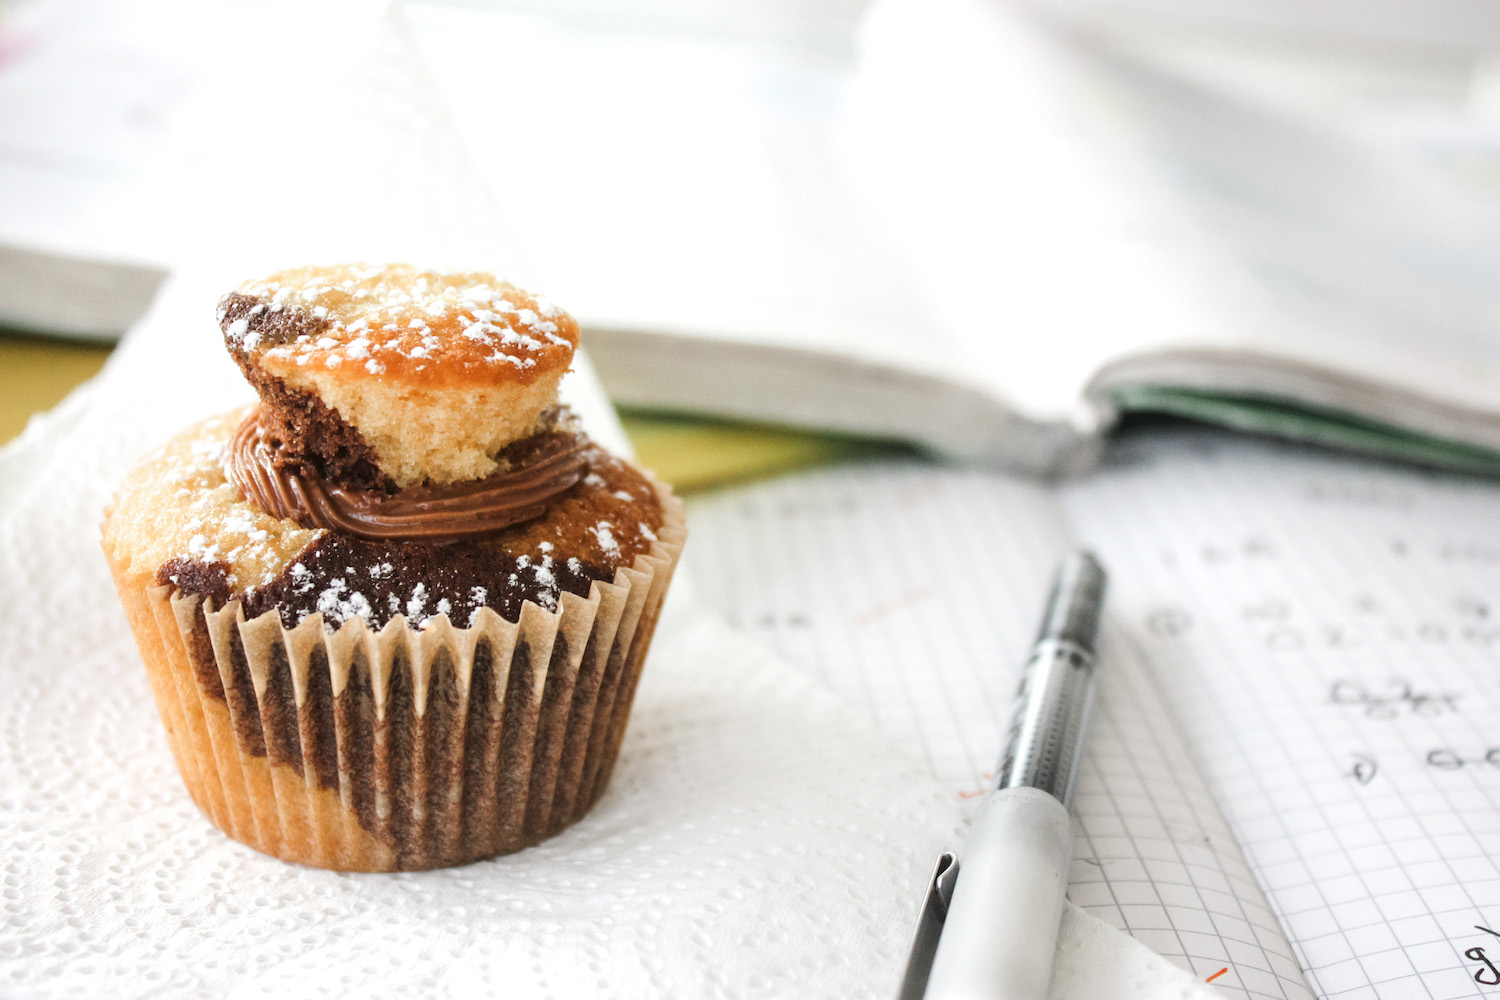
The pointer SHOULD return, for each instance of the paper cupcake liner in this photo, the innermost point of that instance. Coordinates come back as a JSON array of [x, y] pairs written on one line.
[[403, 748]]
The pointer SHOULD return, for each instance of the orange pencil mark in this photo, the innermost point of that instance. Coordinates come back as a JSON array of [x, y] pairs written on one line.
[[977, 791], [1216, 975], [916, 595]]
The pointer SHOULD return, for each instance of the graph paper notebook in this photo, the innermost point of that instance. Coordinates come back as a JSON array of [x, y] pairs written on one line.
[[1291, 774]]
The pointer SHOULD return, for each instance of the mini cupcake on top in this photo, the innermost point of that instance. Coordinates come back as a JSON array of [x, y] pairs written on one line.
[[392, 377]]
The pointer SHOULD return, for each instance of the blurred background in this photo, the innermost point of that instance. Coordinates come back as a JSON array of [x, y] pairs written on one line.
[[748, 169]]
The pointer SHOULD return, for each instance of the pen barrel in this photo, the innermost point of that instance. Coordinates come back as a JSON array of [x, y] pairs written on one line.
[[1002, 924], [1057, 686], [1052, 711]]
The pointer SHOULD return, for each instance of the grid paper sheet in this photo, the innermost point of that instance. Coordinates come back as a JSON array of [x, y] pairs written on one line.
[[1327, 632], [914, 591]]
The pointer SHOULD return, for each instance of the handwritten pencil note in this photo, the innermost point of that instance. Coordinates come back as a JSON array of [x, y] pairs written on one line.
[[914, 591], [1326, 632]]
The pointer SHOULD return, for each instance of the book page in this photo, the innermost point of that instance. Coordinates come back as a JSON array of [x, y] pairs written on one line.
[[925, 200], [1353, 265], [994, 160], [962, 197], [1325, 633], [1336, 181], [87, 92], [674, 181], [1097, 206], [914, 590]]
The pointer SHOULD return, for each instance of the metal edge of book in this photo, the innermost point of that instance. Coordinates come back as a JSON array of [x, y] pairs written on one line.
[[73, 298]]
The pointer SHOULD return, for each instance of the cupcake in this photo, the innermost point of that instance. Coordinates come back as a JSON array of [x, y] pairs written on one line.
[[394, 615]]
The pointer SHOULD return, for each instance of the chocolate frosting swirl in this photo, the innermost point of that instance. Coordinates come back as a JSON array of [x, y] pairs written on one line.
[[427, 513]]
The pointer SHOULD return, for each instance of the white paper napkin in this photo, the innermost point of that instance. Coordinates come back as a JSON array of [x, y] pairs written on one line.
[[758, 839]]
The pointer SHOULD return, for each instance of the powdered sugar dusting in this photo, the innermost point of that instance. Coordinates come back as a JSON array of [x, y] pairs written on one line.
[[339, 603], [606, 539], [215, 526], [398, 318], [418, 603]]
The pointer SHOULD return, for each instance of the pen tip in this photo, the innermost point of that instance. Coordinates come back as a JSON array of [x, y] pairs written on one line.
[[1077, 601]]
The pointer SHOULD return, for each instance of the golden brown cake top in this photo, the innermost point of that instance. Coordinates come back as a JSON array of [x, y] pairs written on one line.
[[389, 376], [400, 323]]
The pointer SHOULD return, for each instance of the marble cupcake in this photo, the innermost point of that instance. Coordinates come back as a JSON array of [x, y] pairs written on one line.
[[394, 615]]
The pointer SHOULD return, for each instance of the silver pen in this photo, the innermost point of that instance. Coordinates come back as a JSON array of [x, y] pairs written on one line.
[[990, 920]]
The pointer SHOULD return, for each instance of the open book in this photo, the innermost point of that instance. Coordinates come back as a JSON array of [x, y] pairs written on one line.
[[964, 231], [1292, 771], [978, 235]]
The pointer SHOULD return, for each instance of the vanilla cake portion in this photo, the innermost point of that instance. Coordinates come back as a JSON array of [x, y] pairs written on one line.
[[390, 376], [177, 520]]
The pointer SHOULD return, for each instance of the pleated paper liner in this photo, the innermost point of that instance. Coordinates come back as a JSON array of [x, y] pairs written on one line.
[[403, 748]]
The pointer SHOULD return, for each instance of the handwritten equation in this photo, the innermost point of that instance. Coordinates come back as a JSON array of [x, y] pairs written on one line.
[[1327, 632], [1280, 628]]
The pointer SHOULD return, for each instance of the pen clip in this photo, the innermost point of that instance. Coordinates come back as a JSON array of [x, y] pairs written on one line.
[[929, 928]]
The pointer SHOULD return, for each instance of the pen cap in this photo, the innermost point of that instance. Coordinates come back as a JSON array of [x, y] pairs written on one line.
[[1076, 602]]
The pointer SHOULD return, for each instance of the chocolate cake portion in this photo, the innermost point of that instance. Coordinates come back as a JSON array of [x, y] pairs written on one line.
[[600, 524], [344, 577], [306, 430], [206, 578], [250, 321]]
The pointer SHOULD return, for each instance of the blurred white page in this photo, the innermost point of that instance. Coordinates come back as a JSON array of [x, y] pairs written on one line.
[[669, 184], [88, 92], [1365, 230], [257, 136], [932, 208], [1426, 26], [1093, 212], [1030, 217], [322, 144], [990, 160]]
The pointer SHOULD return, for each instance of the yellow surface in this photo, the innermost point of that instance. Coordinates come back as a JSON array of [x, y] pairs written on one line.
[[695, 454], [36, 374], [689, 453]]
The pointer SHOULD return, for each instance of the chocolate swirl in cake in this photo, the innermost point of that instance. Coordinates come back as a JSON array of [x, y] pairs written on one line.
[[550, 463]]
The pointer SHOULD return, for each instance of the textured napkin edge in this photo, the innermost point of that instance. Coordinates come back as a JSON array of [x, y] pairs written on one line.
[[1097, 961]]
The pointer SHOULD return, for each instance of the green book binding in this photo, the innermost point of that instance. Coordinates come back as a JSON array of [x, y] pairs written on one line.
[[1299, 422]]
